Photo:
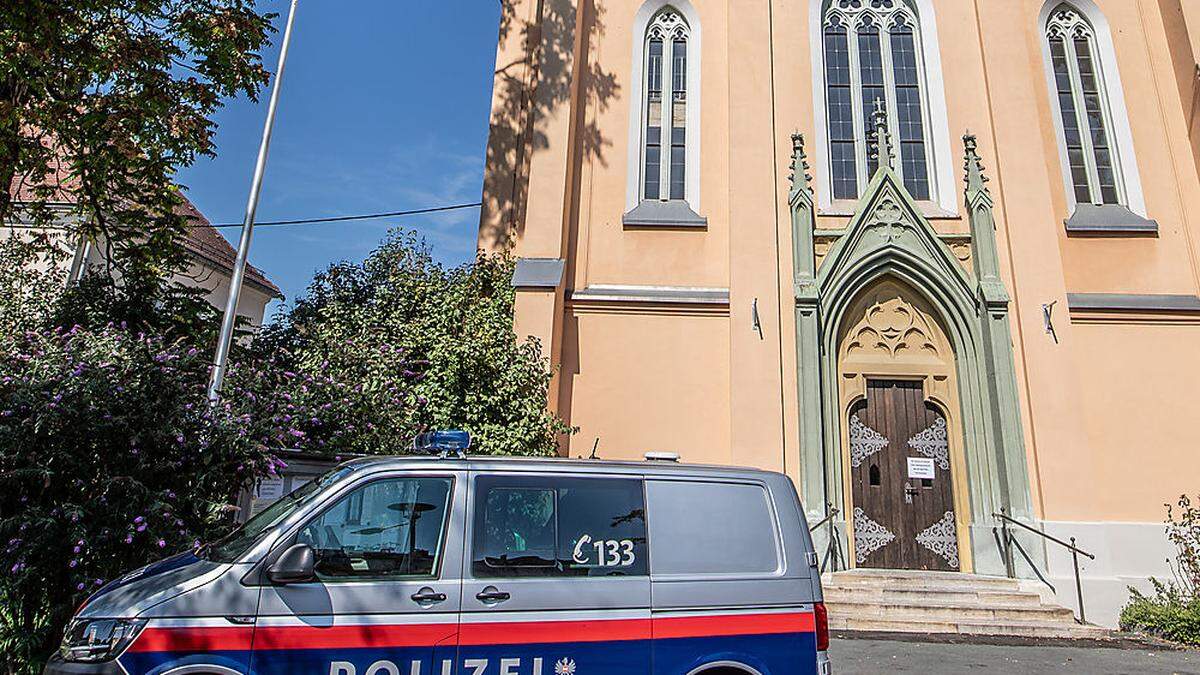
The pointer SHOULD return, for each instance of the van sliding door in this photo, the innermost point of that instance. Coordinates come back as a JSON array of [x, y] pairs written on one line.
[[556, 577]]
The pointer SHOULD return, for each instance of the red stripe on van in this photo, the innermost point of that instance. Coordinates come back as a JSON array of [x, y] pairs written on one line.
[[540, 632], [265, 638], [199, 639], [353, 636], [733, 624]]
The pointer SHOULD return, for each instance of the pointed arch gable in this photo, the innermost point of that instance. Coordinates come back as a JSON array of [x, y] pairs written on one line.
[[888, 224], [1122, 135], [633, 172], [890, 239], [941, 173]]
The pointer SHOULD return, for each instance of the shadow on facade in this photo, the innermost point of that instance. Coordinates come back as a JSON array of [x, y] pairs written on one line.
[[540, 102]]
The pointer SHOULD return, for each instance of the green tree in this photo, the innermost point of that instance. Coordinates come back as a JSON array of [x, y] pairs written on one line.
[[402, 325], [101, 101], [31, 282]]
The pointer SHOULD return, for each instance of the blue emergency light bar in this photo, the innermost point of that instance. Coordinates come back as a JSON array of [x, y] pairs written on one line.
[[443, 442]]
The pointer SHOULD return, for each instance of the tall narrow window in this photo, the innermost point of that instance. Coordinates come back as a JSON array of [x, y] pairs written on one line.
[[1084, 108], [652, 172], [665, 136], [842, 157], [909, 109], [872, 57]]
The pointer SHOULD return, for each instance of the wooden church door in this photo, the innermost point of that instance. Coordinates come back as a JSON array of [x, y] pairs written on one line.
[[900, 474]]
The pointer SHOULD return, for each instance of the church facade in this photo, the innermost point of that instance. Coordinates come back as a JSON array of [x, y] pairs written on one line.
[[936, 260]]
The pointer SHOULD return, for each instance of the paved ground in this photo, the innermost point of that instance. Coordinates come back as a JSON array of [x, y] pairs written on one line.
[[871, 655]]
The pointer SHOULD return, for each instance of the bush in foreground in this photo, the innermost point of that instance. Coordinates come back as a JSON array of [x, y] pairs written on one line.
[[110, 458], [1165, 614], [1172, 612]]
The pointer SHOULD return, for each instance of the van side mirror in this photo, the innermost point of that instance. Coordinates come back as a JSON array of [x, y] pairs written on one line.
[[295, 565]]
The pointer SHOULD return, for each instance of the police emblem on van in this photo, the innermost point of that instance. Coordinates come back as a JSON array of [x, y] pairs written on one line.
[[564, 666]]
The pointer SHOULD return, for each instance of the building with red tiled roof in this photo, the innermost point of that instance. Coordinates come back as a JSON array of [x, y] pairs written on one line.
[[210, 255], [204, 242]]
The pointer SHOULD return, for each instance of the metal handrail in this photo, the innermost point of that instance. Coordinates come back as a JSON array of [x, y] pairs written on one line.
[[822, 521], [833, 552], [1010, 541]]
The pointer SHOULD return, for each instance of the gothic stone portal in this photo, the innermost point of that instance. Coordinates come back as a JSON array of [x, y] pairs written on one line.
[[898, 376]]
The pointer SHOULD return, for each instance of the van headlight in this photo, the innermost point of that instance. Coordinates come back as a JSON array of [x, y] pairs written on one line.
[[90, 640]]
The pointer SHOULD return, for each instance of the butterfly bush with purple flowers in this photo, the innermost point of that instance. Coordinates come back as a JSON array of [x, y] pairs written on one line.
[[109, 459], [111, 456]]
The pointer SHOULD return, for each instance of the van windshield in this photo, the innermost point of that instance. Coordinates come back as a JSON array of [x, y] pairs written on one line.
[[235, 544]]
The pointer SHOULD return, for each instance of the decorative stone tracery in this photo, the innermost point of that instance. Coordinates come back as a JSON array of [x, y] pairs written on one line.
[[1067, 23], [667, 25], [892, 327], [884, 12]]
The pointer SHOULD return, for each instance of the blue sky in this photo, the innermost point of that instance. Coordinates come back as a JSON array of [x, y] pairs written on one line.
[[384, 108]]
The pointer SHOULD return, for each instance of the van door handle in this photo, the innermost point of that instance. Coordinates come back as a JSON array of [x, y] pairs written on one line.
[[427, 596], [492, 595]]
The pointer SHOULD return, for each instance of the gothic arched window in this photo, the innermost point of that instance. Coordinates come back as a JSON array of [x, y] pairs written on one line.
[[872, 57], [665, 128], [1083, 105]]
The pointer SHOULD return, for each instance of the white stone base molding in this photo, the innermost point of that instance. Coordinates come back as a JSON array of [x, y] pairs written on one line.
[[1127, 554]]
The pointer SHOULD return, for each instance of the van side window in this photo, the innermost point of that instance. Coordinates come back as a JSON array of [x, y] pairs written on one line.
[[547, 526], [712, 528], [387, 529]]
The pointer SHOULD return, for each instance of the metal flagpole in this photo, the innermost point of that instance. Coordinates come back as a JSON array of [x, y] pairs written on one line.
[[239, 266]]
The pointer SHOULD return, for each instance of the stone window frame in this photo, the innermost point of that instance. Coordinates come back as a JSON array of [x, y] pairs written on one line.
[[635, 216], [1130, 213]]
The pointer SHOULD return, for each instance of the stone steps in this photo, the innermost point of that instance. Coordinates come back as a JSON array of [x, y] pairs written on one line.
[[910, 595], [940, 611], [1027, 629], [871, 577], [947, 602]]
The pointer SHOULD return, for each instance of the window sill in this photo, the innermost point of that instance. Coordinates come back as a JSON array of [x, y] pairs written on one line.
[[538, 274], [1133, 302], [655, 214], [1109, 219], [847, 208]]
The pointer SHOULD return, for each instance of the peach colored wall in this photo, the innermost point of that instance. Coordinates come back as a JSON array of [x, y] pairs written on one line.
[[1140, 414], [647, 382], [537, 314], [643, 378]]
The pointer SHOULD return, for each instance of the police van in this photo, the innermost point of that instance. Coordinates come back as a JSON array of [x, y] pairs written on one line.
[[440, 565]]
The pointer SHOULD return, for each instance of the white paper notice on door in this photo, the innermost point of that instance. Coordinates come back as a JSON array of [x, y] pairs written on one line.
[[920, 467]]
